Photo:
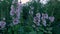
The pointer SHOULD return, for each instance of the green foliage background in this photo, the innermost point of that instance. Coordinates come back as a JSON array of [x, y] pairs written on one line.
[[27, 20]]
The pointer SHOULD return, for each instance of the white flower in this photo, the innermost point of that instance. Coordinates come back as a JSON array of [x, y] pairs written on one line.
[[12, 7], [51, 18], [44, 22], [2, 24], [15, 21], [36, 20], [44, 1], [12, 13], [38, 15], [17, 14], [45, 16]]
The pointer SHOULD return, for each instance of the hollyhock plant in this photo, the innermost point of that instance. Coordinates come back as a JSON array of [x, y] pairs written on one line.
[[2, 24]]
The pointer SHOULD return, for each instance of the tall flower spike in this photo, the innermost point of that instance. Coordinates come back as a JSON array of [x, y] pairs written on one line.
[[51, 18], [12, 11], [18, 10]]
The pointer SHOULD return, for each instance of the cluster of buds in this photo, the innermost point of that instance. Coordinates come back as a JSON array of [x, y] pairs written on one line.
[[15, 11], [42, 18]]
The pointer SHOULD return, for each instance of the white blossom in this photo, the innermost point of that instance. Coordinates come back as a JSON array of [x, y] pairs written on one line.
[[38, 15], [36, 20], [44, 22], [45, 16], [12, 7], [51, 18], [12, 11], [17, 14], [15, 21], [2, 24], [43, 1]]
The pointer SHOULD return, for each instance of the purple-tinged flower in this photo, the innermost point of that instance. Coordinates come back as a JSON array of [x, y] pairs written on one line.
[[2, 24], [15, 21], [51, 18], [12, 13], [38, 15], [45, 16], [17, 14], [36, 20], [44, 22]]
